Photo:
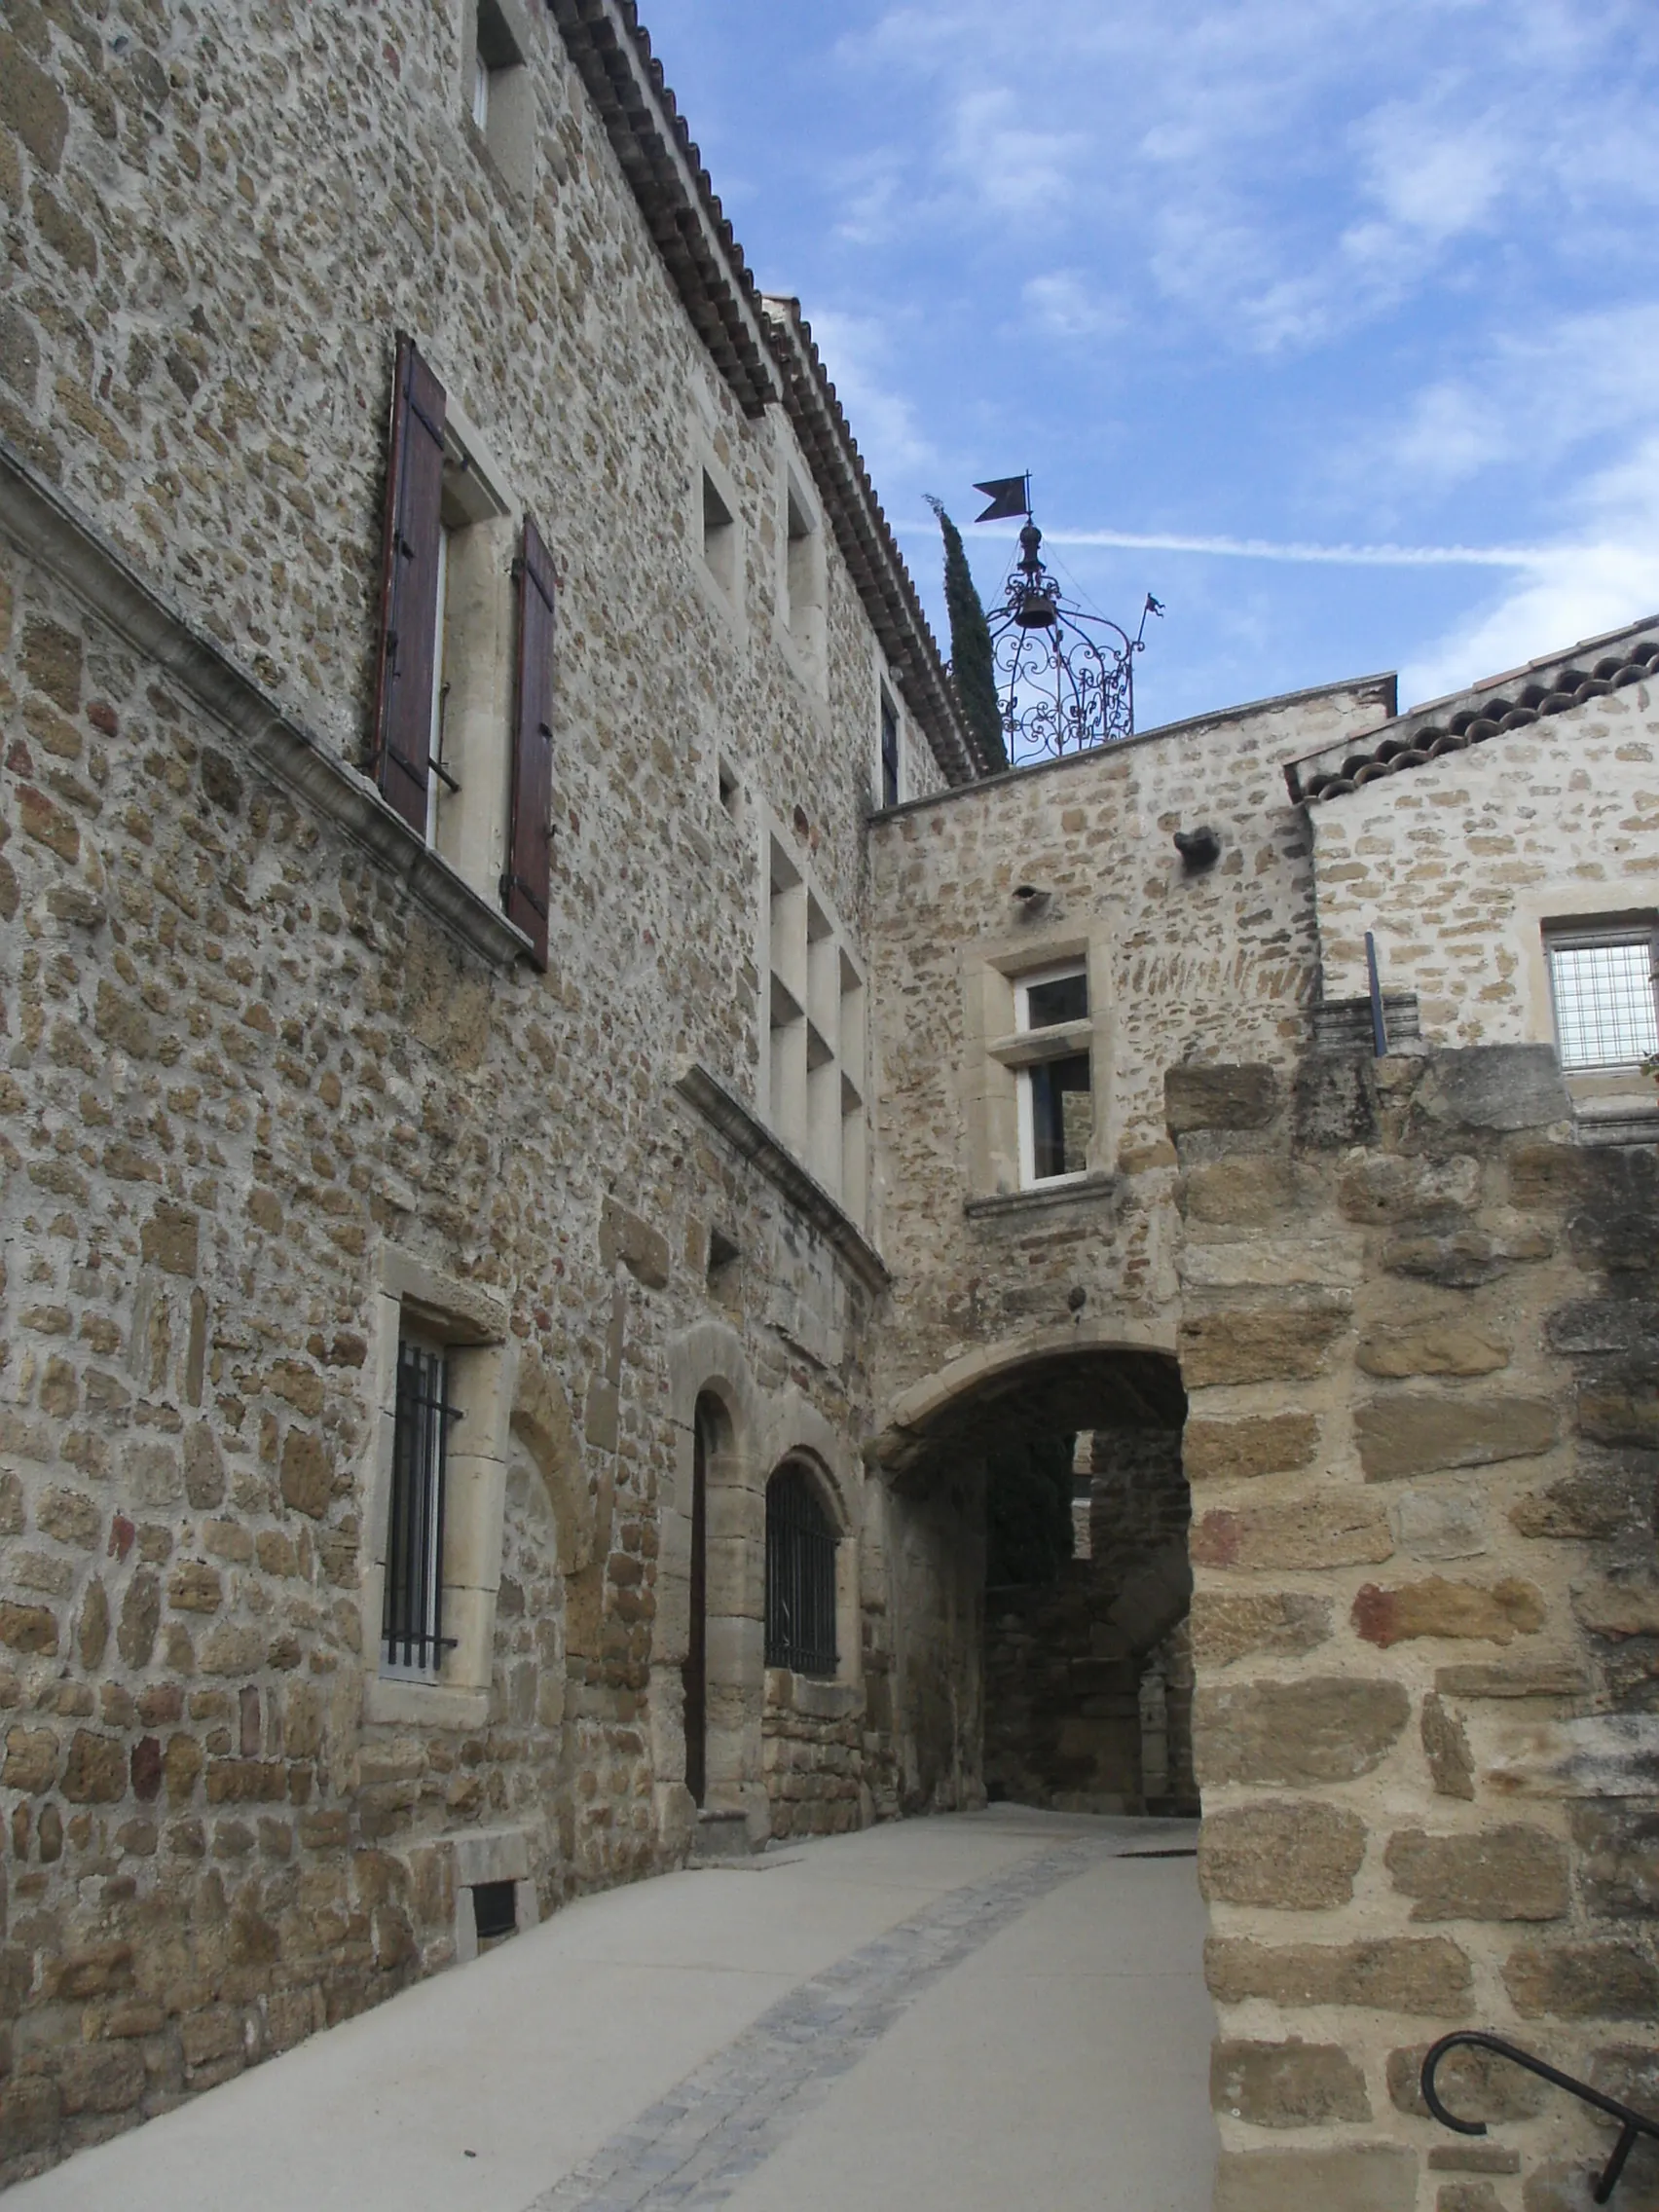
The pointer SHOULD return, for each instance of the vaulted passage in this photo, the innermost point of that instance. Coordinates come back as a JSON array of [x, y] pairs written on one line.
[[1046, 1499]]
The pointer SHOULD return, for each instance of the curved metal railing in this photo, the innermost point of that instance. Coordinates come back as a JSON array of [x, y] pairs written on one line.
[[1631, 2124]]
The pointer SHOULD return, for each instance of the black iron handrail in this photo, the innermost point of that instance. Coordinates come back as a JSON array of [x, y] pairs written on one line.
[[1631, 2124]]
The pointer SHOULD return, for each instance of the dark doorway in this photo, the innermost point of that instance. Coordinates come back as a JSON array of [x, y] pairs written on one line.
[[696, 1676]]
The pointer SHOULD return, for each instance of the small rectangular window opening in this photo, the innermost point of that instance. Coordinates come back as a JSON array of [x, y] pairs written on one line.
[[499, 96], [1604, 986], [1057, 1103], [888, 749], [413, 1643], [731, 790], [494, 1909], [719, 537]]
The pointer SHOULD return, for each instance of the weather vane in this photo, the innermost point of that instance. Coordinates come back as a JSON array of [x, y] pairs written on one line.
[[1062, 684]]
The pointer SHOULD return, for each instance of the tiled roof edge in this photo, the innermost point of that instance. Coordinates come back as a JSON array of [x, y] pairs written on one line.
[[867, 543], [1593, 667], [612, 51], [1379, 685]]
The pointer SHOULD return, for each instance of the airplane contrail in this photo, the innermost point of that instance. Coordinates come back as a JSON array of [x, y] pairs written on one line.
[[1268, 549], [1341, 556]]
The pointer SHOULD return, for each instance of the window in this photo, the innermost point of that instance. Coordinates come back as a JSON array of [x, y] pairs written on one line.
[[888, 749], [816, 1043], [434, 1496], [498, 92], [804, 583], [1057, 1102], [494, 1909], [411, 1639], [800, 1574], [720, 537], [1605, 990], [463, 744]]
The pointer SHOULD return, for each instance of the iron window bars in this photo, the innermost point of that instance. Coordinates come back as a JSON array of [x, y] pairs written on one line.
[[412, 1618], [1606, 1003], [800, 1575]]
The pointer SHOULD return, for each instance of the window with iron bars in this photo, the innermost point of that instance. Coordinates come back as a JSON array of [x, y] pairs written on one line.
[[412, 1637], [800, 1575], [1604, 988]]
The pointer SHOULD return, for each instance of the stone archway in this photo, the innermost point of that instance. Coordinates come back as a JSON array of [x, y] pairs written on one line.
[[1077, 1692], [708, 1666]]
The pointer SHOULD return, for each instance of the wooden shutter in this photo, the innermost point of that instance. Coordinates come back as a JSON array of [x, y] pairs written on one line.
[[409, 587], [526, 885]]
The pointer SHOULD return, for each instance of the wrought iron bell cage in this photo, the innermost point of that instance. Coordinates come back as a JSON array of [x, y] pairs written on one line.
[[1065, 676]]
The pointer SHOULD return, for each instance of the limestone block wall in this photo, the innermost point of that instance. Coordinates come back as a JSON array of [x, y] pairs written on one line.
[[1194, 966], [1456, 863], [814, 1755], [1417, 1338]]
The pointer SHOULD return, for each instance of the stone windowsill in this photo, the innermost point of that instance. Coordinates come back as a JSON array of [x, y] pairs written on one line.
[[1078, 1190], [811, 1696], [46, 527], [750, 1137], [423, 1704]]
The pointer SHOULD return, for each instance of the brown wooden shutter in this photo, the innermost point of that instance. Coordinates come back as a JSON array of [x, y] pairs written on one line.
[[409, 587], [526, 885]]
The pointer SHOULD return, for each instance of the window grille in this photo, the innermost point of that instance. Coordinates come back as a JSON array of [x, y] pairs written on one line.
[[1606, 1010], [412, 1620], [800, 1575]]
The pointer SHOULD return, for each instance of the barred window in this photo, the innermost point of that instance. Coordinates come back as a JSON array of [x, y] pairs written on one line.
[[800, 1574], [1606, 996], [413, 1642]]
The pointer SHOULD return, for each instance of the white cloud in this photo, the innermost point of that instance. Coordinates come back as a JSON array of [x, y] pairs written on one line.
[[1066, 305], [857, 353], [1279, 171], [1603, 575]]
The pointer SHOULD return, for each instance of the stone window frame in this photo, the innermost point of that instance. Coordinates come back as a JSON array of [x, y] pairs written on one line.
[[1541, 912], [495, 35], [473, 1328], [887, 688], [799, 1435], [802, 577], [813, 1088], [476, 668], [721, 574], [996, 1050]]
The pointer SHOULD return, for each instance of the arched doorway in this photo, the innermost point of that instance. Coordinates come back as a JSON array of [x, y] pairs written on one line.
[[705, 1425]]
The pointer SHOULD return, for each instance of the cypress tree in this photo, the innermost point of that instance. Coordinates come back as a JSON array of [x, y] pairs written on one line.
[[971, 663]]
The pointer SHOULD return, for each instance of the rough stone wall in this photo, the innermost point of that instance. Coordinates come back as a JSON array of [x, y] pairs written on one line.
[[239, 1066], [1200, 963], [1425, 1461], [242, 1065], [1454, 864], [814, 1755]]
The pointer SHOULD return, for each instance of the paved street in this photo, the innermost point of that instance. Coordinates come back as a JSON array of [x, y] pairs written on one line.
[[995, 2009]]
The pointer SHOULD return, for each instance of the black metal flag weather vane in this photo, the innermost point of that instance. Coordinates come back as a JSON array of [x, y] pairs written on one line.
[[1065, 677]]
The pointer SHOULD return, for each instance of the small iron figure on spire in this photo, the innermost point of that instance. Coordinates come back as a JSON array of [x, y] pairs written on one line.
[[1065, 678]]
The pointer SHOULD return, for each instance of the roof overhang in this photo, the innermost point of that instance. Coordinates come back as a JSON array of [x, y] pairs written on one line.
[[612, 54], [1595, 667]]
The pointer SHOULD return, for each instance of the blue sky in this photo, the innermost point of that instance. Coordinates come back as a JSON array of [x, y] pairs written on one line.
[[1319, 273]]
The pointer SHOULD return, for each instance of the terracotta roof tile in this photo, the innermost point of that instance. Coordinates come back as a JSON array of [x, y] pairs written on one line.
[[1595, 667]]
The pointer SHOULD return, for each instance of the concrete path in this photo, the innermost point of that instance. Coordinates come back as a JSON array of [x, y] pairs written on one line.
[[991, 2010]]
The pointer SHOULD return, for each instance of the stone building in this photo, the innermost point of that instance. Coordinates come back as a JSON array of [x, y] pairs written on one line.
[[526, 1021]]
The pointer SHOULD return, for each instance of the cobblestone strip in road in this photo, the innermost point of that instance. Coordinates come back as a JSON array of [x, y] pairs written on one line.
[[694, 2146]]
